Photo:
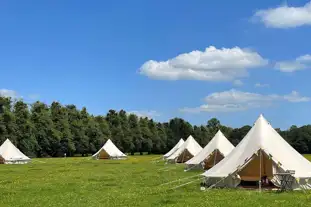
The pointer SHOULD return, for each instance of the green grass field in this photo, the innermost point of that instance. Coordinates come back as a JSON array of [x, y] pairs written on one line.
[[133, 182]]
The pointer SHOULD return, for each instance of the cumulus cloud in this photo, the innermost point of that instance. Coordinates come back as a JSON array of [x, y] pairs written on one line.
[[285, 16], [295, 97], [238, 83], [212, 64], [304, 58], [8, 93], [234, 100], [261, 85], [300, 63], [145, 113]]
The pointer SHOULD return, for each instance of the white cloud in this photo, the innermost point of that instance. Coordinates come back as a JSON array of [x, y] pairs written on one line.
[[8, 93], [16, 96], [304, 58], [295, 97], [238, 83], [233, 100], [212, 64], [285, 16], [149, 114], [288, 67], [300, 63], [261, 85]]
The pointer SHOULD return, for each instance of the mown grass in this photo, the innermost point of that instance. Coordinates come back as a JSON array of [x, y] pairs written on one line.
[[133, 182]]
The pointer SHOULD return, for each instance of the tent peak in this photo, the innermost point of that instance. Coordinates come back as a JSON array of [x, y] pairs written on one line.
[[219, 132], [190, 137], [261, 119]]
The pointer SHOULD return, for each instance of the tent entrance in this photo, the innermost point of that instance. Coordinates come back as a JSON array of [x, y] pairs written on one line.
[[103, 155], [2, 160], [184, 156], [259, 168], [255, 171], [213, 159]]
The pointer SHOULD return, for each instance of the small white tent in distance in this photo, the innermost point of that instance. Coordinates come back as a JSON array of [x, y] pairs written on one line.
[[109, 151], [218, 148], [9, 154], [261, 153], [186, 151], [179, 143]]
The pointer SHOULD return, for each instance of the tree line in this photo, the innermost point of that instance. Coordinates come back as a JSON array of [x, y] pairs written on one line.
[[40, 130]]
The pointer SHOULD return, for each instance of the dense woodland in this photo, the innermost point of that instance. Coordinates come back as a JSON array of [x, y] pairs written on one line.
[[40, 130]]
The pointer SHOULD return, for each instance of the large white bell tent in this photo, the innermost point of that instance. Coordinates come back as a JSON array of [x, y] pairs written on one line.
[[109, 151], [261, 153], [179, 143], [9, 154], [218, 148], [186, 151]]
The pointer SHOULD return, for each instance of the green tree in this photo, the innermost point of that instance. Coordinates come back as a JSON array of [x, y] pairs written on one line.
[[162, 137], [135, 131], [115, 128], [94, 134], [154, 136], [213, 126], [8, 128], [146, 136], [77, 129], [25, 131], [180, 129], [238, 134], [127, 140], [202, 135], [84, 139], [59, 115], [44, 132], [171, 141], [105, 131], [299, 138]]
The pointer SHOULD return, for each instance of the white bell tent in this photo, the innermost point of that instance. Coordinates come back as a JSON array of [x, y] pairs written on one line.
[[179, 143], [109, 151], [9, 154], [186, 151], [218, 148], [261, 153]]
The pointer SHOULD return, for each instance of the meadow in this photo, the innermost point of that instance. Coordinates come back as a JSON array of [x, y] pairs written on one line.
[[132, 182]]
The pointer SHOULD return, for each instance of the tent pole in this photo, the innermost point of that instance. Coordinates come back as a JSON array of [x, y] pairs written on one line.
[[215, 155], [183, 156], [260, 171]]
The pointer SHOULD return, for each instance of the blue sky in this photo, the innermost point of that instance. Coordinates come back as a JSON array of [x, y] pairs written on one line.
[[93, 54]]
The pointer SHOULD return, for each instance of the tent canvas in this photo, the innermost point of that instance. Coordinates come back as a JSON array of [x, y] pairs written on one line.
[[11, 154], [109, 151], [179, 143], [262, 152], [218, 148], [186, 151]]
